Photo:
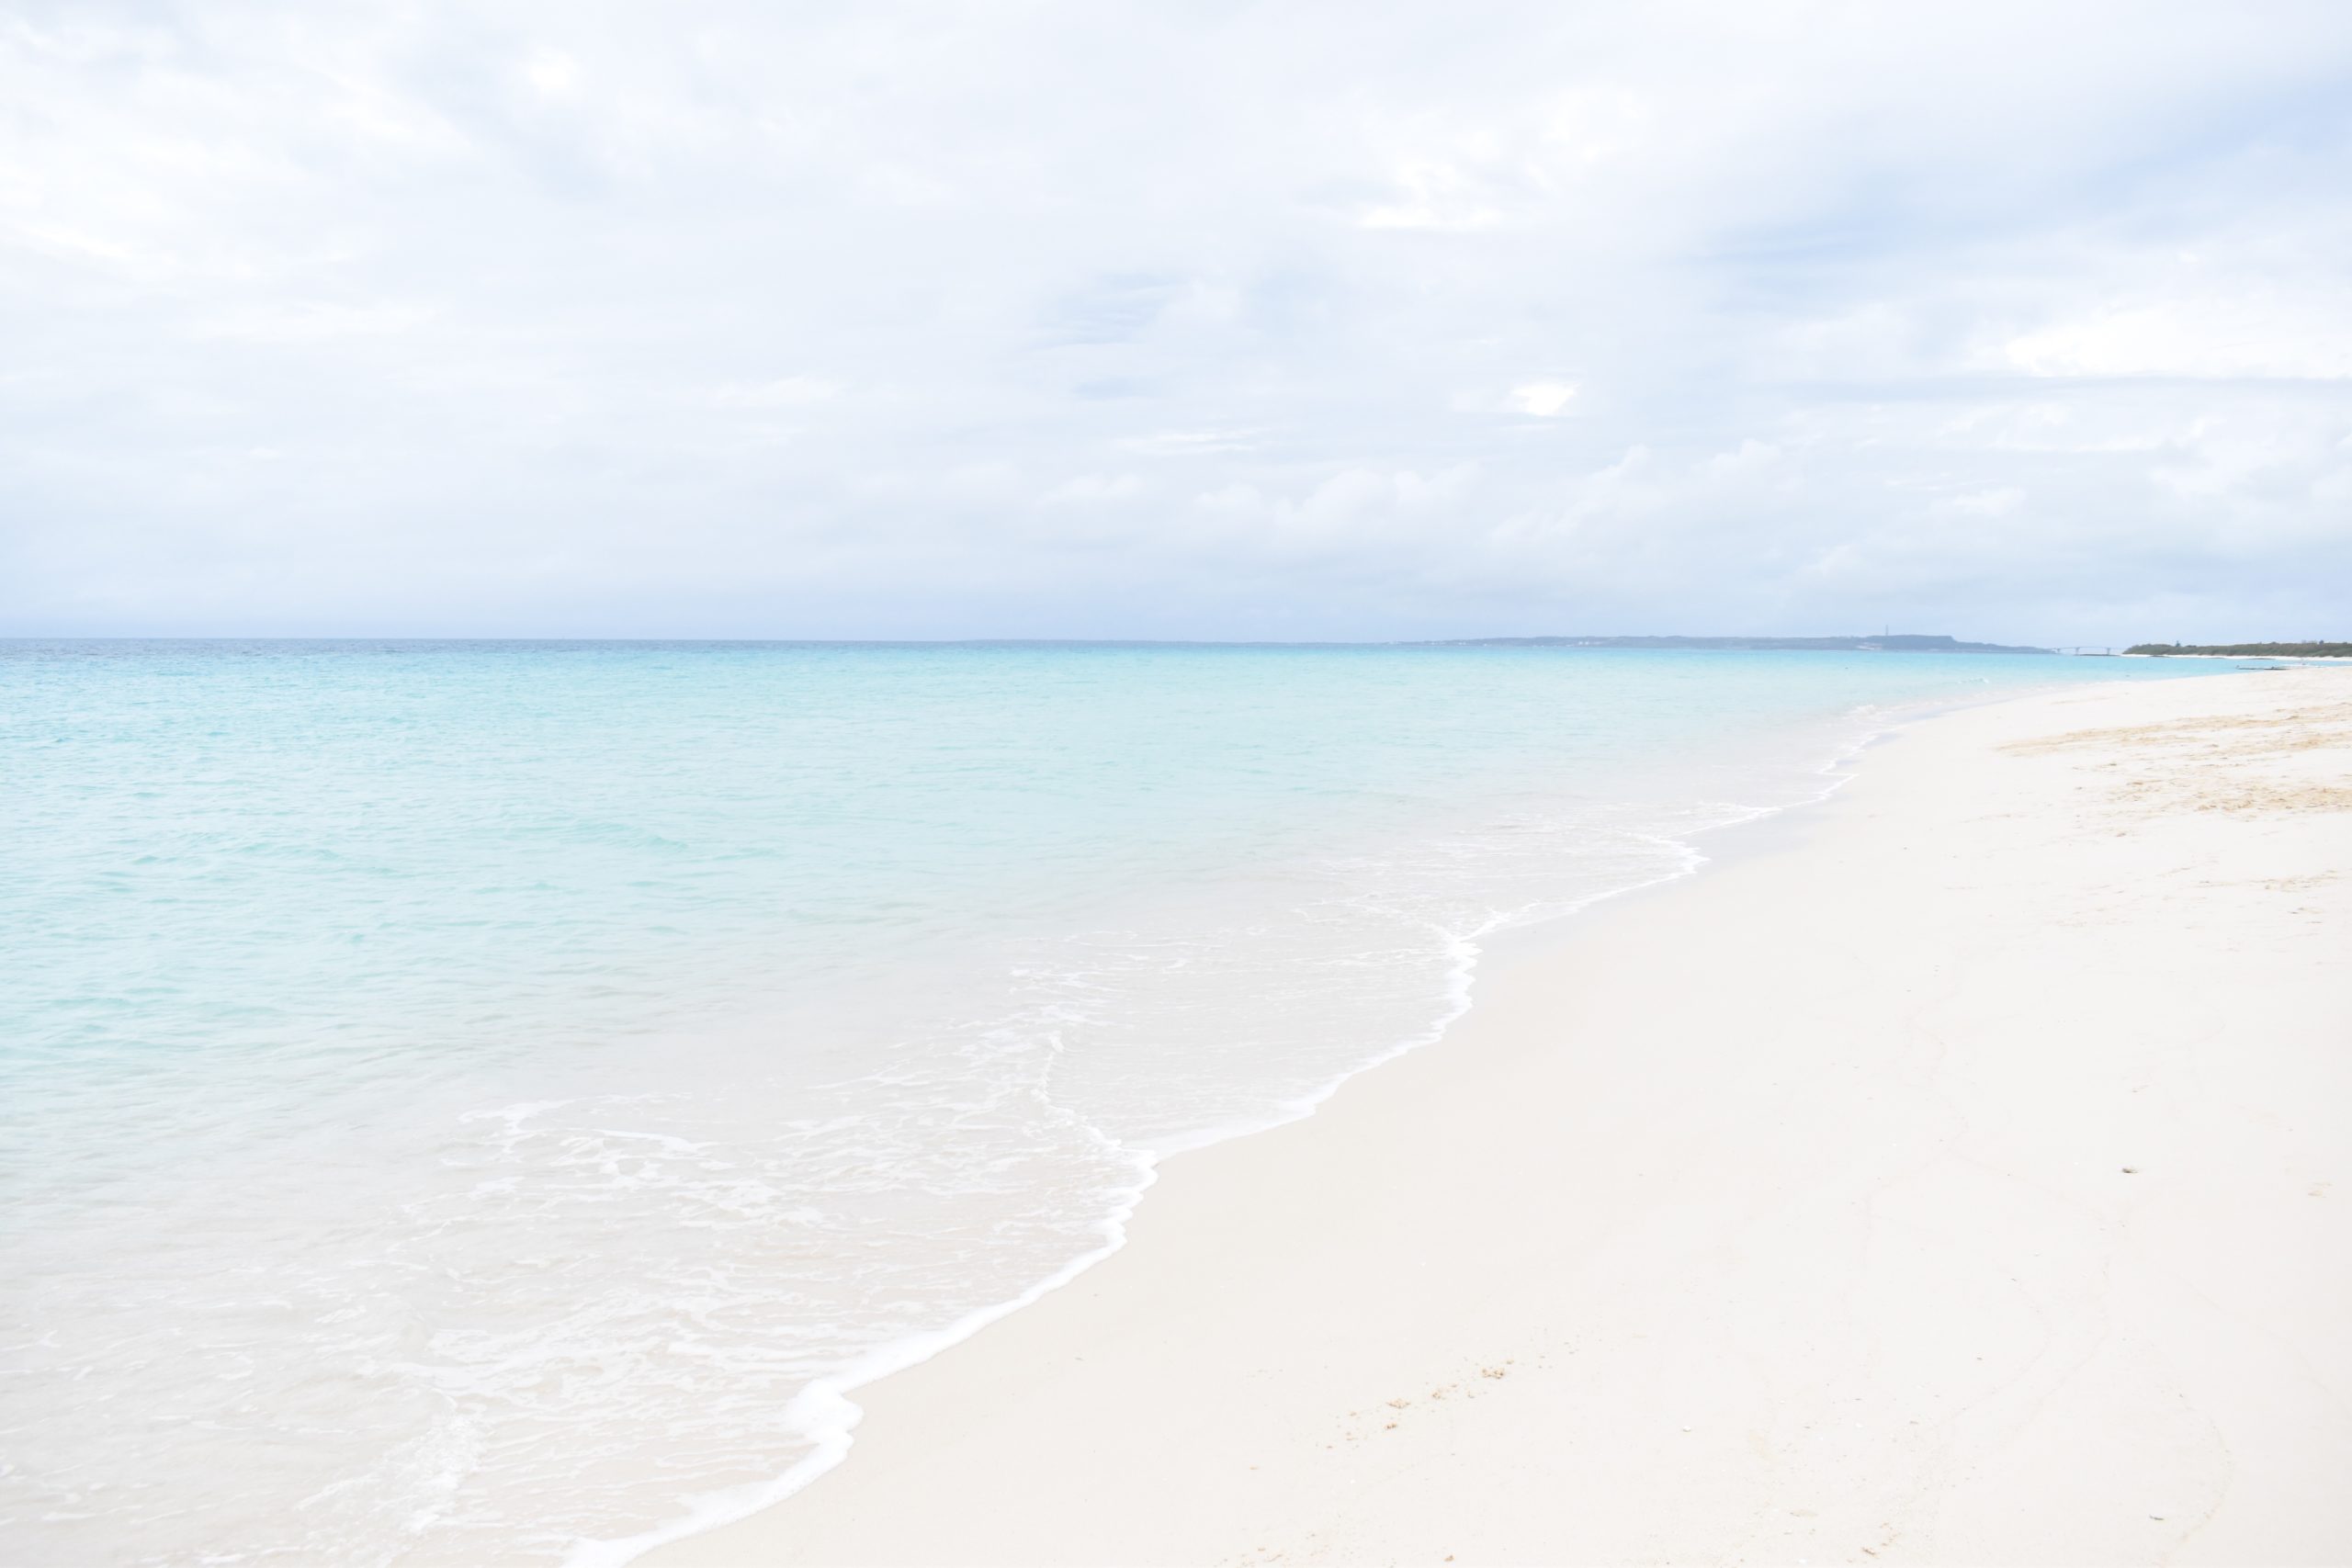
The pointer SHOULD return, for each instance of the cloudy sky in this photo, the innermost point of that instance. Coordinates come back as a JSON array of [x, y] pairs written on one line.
[[2029, 322]]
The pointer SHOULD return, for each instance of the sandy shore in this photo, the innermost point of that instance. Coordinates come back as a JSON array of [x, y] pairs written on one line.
[[1957, 1173]]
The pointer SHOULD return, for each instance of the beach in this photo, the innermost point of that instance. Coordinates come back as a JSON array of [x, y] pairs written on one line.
[[1954, 1171], [550, 1072]]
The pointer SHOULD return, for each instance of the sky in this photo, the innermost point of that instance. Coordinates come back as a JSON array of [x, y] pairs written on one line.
[[2027, 322]]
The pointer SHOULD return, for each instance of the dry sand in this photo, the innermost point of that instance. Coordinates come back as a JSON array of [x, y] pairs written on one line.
[[1955, 1173]]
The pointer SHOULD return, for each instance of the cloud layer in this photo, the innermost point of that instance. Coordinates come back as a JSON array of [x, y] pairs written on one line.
[[2020, 321]]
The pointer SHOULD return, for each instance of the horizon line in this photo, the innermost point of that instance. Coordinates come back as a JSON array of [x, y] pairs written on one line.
[[1485, 638]]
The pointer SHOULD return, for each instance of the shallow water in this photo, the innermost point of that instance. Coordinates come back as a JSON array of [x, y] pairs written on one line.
[[466, 1101]]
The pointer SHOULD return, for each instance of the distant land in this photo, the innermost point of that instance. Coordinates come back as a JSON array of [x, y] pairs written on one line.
[[2248, 649], [1899, 642]]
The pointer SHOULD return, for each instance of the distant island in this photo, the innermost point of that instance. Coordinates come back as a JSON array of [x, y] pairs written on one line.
[[2248, 649], [1899, 642]]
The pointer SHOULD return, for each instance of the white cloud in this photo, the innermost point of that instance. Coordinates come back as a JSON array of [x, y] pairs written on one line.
[[552, 72], [2252, 335], [1544, 399], [1531, 400], [1191, 442], [1436, 195], [1172, 321], [783, 392], [1998, 502], [1096, 490]]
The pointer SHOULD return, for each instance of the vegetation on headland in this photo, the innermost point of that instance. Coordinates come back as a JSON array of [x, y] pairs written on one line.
[[2249, 649]]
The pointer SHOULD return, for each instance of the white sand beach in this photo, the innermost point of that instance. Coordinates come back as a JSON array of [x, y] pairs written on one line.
[[1956, 1172]]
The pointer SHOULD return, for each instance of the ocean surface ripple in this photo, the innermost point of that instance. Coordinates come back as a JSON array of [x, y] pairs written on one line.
[[476, 1101]]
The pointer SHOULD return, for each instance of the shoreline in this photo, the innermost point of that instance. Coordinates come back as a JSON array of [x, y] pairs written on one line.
[[721, 1511], [922, 1425]]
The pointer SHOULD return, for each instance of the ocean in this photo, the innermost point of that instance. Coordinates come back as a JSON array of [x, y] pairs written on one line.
[[493, 1101]]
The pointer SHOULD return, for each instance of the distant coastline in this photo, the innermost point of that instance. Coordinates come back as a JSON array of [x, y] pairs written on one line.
[[2244, 649], [1899, 642]]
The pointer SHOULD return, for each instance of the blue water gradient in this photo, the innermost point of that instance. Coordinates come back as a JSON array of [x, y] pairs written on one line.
[[457, 1095]]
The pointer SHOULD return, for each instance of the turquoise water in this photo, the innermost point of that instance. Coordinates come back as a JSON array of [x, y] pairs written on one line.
[[482, 1099]]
